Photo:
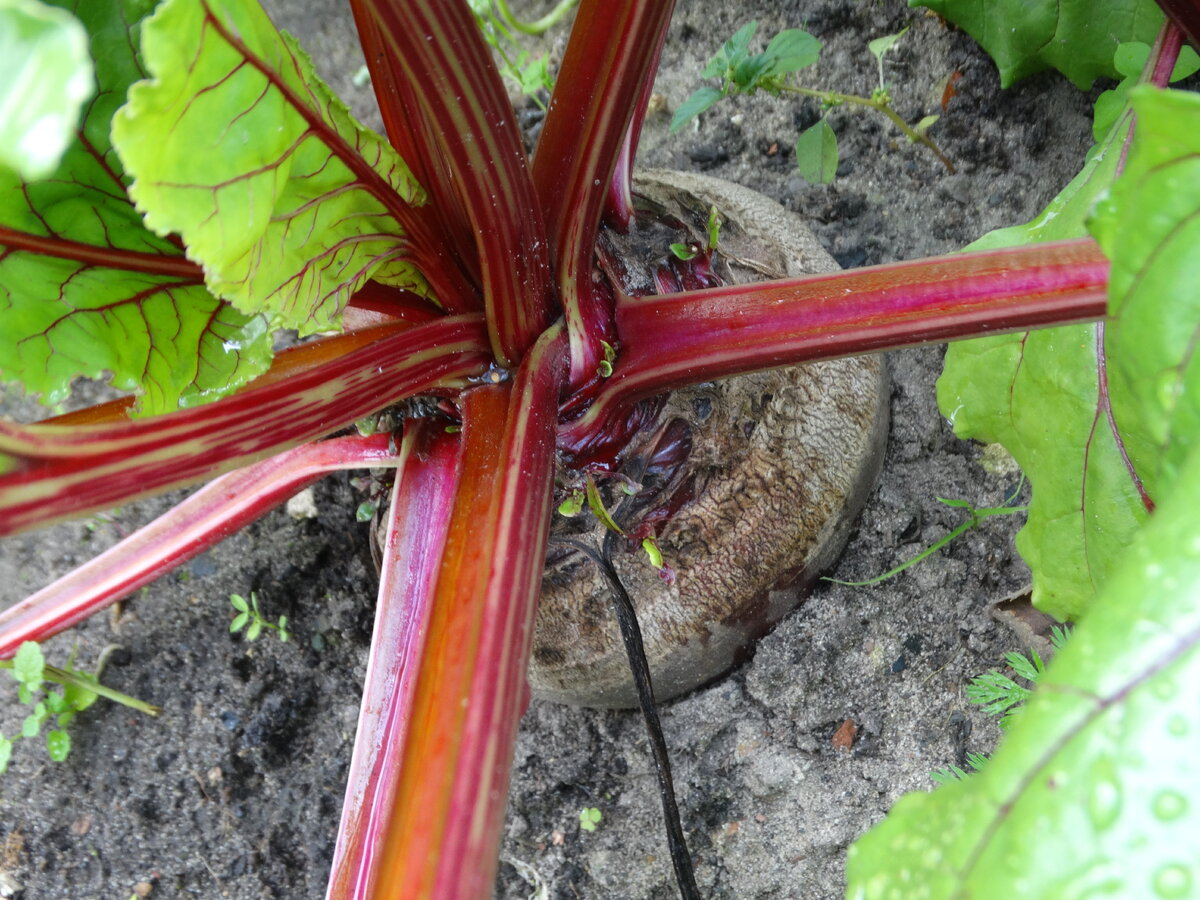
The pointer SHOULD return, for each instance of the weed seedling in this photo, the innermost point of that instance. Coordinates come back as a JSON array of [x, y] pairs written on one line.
[[529, 74], [1000, 695], [589, 818], [77, 691], [251, 618], [743, 72], [975, 763], [975, 517]]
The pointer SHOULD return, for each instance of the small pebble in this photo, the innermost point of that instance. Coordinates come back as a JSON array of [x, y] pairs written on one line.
[[303, 505]]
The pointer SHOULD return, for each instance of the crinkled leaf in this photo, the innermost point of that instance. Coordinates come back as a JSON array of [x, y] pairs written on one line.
[[236, 145], [1038, 395], [698, 102], [86, 290], [56, 703], [32, 723], [817, 153], [1077, 37], [747, 73], [1149, 226], [1095, 790], [45, 77]]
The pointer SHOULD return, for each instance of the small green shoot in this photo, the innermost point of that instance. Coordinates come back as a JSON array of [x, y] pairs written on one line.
[[589, 818], [605, 369], [684, 251], [655, 555], [743, 72], [573, 505], [976, 516], [689, 251], [1000, 695], [529, 74], [597, 507], [365, 511], [250, 617], [713, 228], [79, 690], [975, 763], [879, 47]]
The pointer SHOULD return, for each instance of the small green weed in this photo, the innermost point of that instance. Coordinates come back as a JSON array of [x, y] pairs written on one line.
[[589, 818], [975, 516], [1000, 695], [590, 494], [686, 252], [250, 617], [975, 763], [530, 74], [77, 691], [743, 72]]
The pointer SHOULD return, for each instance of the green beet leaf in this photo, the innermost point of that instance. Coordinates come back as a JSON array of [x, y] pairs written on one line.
[[1130, 59], [1037, 394], [86, 290], [45, 78], [1095, 790], [1149, 226], [1077, 37], [237, 146]]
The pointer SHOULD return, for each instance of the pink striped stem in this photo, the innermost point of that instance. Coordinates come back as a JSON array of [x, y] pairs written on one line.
[[447, 231], [671, 340], [499, 693], [60, 472], [442, 831], [437, 44], [207, 517], [597, 91], [418, 520]]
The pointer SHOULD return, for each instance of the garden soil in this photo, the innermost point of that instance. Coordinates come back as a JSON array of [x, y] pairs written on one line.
[[234, 791]]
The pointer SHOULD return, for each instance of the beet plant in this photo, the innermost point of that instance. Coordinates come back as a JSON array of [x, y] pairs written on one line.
[[215, 192]]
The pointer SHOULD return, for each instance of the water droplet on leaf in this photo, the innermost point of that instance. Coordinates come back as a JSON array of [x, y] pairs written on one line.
[[1104, 801], [1172, 881], [1169, 805]]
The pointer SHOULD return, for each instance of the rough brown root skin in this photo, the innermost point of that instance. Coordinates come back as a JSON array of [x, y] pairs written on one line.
[[783, 463]]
